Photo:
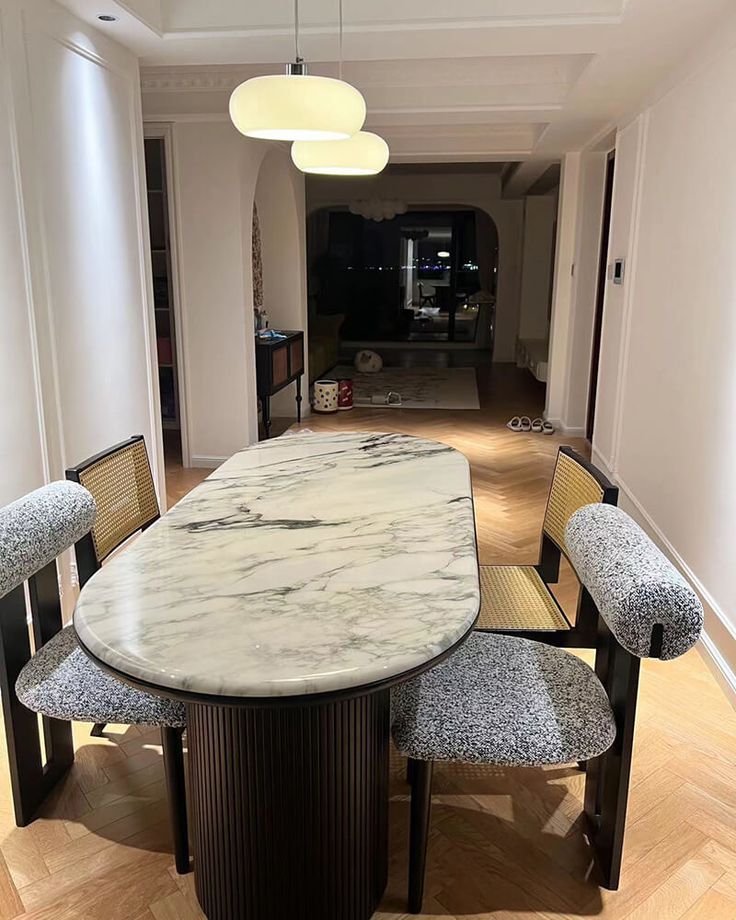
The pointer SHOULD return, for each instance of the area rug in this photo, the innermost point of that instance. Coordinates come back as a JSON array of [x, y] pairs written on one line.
[[419, 387]]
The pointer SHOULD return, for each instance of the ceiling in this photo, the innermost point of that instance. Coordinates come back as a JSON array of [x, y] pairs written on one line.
[[462, 81]]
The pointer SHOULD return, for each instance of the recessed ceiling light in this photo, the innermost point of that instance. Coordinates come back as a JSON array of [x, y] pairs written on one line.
[[106, 17], [443, 254]]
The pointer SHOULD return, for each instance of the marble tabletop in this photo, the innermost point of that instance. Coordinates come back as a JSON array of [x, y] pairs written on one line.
[[305, 564]]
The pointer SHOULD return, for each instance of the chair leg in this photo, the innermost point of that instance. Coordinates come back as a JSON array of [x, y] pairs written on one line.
[[409, 771], [421, 804], [98, 730], [171, 739], [607, 777]]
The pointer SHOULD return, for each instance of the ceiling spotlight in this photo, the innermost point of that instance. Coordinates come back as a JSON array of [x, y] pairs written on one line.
[[106, 17], [443, 254]]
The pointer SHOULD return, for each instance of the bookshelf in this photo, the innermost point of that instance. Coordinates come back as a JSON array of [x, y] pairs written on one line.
[[158, 221]]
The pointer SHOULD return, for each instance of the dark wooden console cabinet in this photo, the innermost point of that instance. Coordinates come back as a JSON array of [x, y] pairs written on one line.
[[279, 362]]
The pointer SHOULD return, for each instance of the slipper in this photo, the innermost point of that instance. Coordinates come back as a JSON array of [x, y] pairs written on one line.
[[538, 425], [548, 428], [519, 423]]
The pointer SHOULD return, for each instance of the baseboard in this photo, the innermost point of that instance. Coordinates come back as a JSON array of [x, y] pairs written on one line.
[[719, 667], [206, 462], [563, 429]]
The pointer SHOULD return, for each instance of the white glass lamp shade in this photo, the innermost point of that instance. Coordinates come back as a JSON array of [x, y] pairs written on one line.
[[296, 107], [363, 154]]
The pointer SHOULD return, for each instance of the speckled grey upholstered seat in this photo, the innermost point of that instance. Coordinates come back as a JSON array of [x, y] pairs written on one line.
[[60, 681], [504, 700], [511, 701]]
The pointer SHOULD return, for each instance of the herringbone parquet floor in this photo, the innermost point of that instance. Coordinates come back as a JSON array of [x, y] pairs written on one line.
[[505, 843]]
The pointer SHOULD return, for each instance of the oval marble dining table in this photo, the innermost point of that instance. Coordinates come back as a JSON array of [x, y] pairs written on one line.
[[280, 600]]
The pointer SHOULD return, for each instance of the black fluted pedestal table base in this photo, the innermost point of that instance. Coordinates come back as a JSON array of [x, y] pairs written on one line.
[[290, 808]]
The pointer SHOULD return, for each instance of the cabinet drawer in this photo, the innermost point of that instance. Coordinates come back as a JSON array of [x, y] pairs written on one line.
[[296, 356], [279, 365]]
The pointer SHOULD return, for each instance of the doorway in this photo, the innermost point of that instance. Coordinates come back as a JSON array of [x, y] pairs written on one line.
[[600, 295], [164, 303]]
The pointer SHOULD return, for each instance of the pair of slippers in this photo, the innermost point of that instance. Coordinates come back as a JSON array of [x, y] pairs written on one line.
[[524, 423]]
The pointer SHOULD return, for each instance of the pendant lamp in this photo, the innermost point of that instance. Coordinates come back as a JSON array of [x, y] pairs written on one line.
[[363, 154], [296, 106]]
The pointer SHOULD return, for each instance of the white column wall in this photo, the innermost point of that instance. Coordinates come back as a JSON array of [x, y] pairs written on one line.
[[574, 301], [561, 325], [540, 212], [280, 200], [75, 284], [214, 183], [216, 172], [22, 453]]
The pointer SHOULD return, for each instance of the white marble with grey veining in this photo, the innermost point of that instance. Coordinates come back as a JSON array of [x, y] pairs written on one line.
[[305, 564]]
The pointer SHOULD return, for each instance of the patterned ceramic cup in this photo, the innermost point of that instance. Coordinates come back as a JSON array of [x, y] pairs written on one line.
[[325, 396], [345, 395]]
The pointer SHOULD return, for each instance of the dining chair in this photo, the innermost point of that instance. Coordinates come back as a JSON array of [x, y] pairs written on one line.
[[121, 483], [516, 599], [60, 681], [511, 701]]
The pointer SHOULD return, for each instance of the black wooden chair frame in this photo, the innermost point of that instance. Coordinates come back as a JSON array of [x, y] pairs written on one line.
[[31, 778]]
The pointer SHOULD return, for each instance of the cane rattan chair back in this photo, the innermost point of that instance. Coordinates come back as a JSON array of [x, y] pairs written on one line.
[[121, 484], [575, 483], [516, 599]]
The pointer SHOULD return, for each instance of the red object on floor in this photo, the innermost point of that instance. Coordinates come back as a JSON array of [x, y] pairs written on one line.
[[345, 394]]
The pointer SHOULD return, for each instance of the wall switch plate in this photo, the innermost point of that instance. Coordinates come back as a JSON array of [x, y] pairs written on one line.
[[617, 271]]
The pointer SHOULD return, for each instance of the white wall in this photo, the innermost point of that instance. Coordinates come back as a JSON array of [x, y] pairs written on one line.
[[668, 377], [214, 180], [422, 190], [574, 302], [629, 145], [585, 289], [563, 297], [77, 320], [281, 216], [21, 440], [540, 212], [216, 171]]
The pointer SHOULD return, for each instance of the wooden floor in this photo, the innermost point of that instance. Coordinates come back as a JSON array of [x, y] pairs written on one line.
[[504, 843]]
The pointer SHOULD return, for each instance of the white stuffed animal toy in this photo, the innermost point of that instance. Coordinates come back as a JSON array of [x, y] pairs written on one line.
[[368, 362]]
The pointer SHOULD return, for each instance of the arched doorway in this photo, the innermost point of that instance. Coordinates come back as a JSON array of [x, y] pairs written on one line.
[[427, 274]]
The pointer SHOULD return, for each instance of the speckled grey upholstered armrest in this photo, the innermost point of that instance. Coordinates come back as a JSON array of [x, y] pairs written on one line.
[[632, 582], [35, 529]]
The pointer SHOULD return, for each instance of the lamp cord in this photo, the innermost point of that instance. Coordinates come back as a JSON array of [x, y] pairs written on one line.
[[339, 46], [297, 56]]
